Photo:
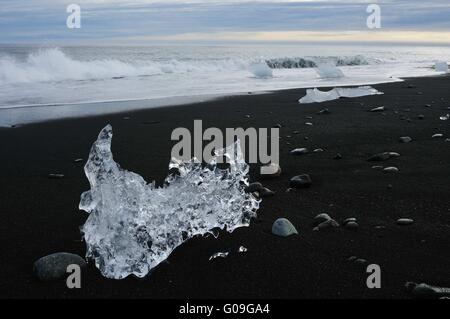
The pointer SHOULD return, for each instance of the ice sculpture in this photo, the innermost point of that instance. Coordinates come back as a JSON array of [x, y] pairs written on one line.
[[133, 226], [317, 96]]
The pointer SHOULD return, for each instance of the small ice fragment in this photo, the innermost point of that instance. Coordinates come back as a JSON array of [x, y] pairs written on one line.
[[317, 96], [219, 254], [242, 249], [378, 109], [445, 117]]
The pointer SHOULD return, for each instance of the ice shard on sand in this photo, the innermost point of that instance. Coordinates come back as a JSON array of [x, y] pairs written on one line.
[[134, 225]]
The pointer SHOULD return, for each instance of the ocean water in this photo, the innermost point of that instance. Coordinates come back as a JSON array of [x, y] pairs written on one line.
[[40, 83]]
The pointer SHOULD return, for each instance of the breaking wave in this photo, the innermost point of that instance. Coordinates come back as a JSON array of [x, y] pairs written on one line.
[[53, 65], [300, 63]]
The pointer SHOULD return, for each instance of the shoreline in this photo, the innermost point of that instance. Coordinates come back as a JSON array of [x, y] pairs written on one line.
[[41, 113], [41, 216]]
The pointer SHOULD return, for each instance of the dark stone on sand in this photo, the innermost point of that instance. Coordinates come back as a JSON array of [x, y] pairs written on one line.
[[360, 261], [405, 139], [331, 223], [420, 116], [265, 192], [301, 181], [319, 219], [283, 228], [348, 220], [420, 290], [299, 151], [278, 126], [424, 291], [380, 157], [54, 266], [55, 176], [353, 225], [324, 111], [405, 221], [254, 187], [338, 156]]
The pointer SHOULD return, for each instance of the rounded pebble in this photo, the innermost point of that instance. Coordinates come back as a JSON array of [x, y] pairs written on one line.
[[405, 221], [283, 228]]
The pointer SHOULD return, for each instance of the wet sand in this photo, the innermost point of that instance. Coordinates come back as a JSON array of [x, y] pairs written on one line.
[[40, 215]]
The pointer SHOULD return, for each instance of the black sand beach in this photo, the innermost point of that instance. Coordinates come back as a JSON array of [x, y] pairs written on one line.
[[40, 216]]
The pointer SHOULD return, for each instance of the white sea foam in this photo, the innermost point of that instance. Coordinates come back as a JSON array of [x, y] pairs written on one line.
[[46, 65], [54, 65], [83, 75]]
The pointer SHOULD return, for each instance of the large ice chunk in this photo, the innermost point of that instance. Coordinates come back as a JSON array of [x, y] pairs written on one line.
[[317, 96], [133, 226]]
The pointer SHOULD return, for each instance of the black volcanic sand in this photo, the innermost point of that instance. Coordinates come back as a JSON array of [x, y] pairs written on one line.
[[40, 215]]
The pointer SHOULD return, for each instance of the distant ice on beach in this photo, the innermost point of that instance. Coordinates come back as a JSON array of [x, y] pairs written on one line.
[[329, 71], [39, 83], [317, 96], [133, 226], [261, 70], [441, 66]]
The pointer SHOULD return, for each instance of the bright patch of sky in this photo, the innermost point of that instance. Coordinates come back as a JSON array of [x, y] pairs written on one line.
[[44, 21]]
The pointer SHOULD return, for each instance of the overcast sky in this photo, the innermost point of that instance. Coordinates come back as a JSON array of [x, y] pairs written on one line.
[[135, 21]]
